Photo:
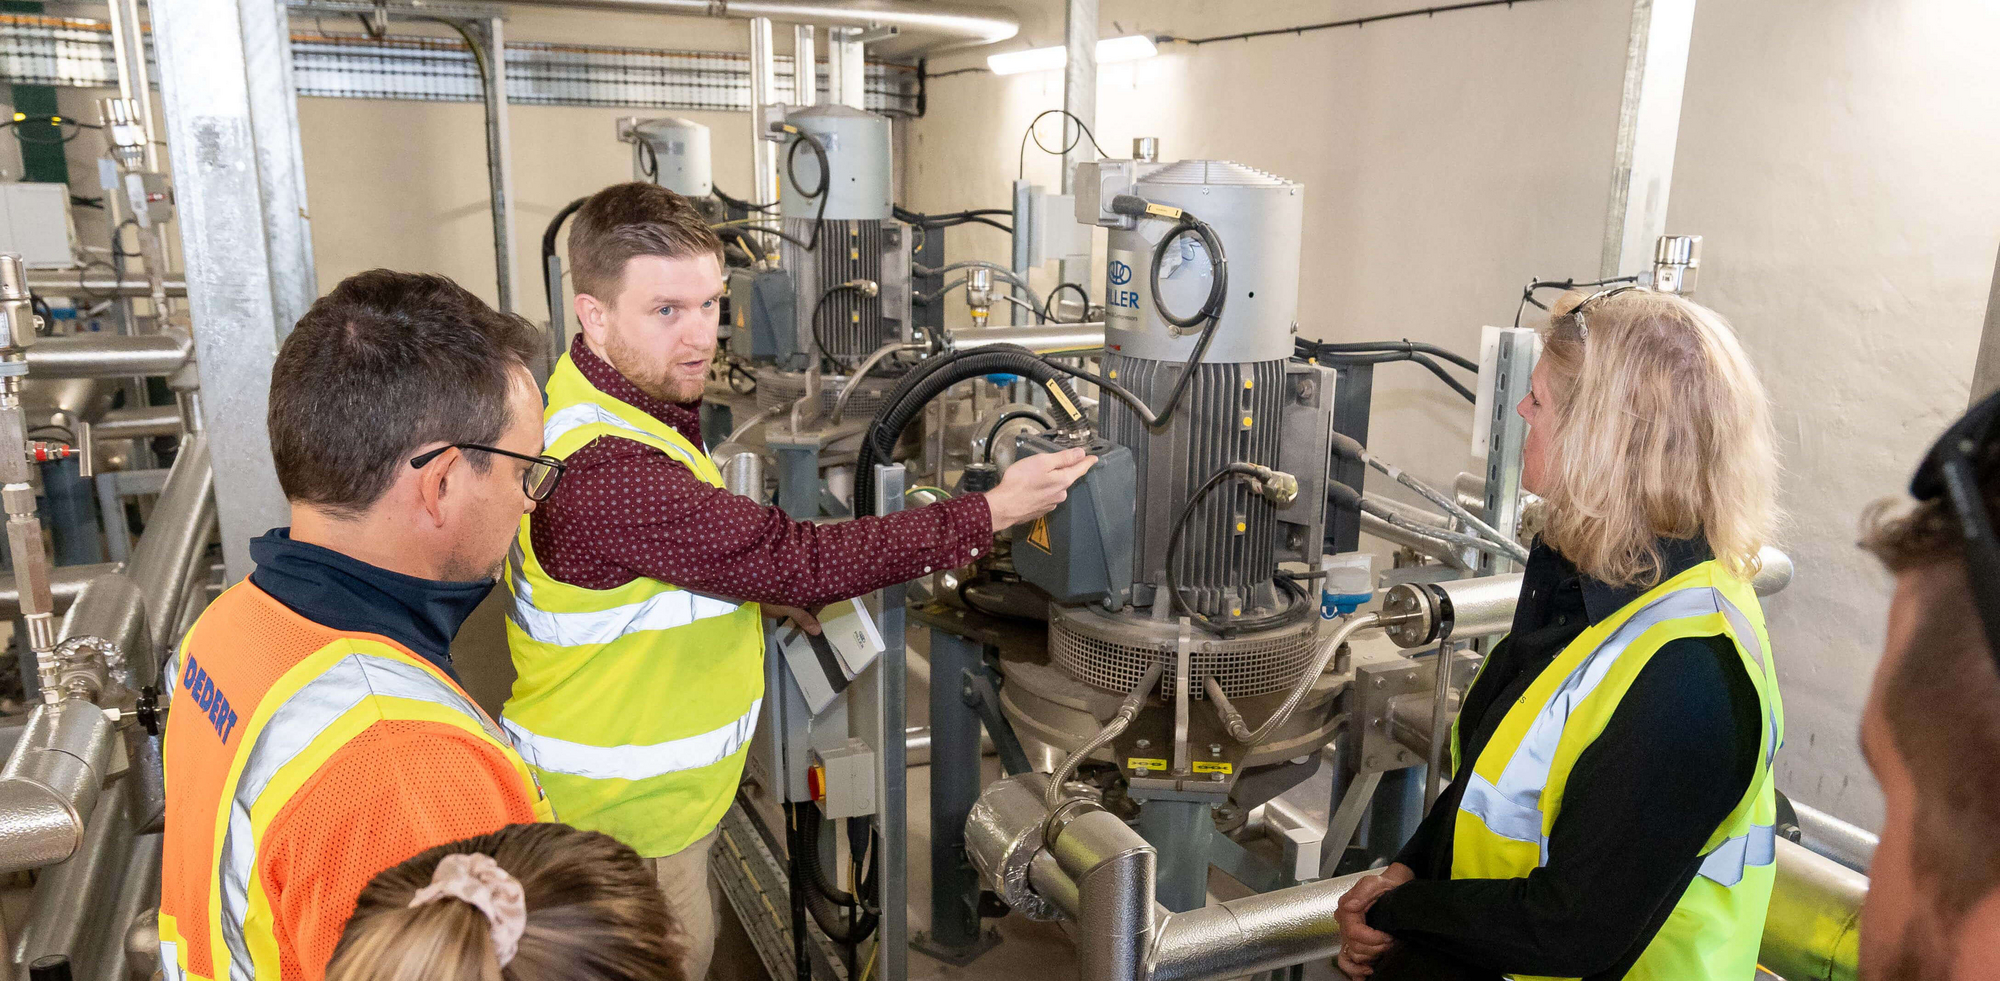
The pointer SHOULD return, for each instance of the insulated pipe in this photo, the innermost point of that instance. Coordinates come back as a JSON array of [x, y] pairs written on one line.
[[1251, 935], [1813, 929], [1830, 836], [65, 583], [50, 784], [931, 25], [109, 355], [1113, 869], [87, 286], [1041, 338], [136, 609]]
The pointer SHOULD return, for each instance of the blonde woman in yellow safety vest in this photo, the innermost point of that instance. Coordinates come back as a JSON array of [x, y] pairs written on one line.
[[1610, 812]]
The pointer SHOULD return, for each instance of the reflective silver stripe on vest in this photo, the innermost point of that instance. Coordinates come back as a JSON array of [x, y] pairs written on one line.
[[661, 611], [632, 762], [170, 960], [1748, 635], [1726, 863], [589, 413], [288, 732], [1511, 808]]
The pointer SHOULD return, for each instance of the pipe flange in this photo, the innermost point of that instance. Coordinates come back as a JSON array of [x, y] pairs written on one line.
[[1416, 601]]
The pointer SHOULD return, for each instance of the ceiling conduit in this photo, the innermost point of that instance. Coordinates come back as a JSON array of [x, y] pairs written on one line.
[[920, 26]]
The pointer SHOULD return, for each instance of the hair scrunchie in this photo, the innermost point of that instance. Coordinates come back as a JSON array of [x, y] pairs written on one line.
[[477, 879]]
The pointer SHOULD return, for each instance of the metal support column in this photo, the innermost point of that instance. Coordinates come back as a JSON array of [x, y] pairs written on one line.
[[954, 935], [1183, 832], [805, 65], [242, 234], [489, 41], [763, 92], [1649, 123], [1080, 100], [846, 68], [1024, 196], [891, 775], [1514, 363]]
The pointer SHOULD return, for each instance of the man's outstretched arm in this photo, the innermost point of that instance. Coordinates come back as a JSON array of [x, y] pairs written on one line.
[[626, 510]]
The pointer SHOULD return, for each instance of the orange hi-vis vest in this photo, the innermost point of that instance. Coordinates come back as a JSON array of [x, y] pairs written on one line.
[[301, 760]]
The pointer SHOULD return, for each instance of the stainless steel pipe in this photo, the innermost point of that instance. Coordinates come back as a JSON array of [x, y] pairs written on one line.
[[108, 355], [65, 583], [50, 783], [927, 25], [137, 609], [98, 285], [1041, 338], [1813, 929], [71, 908], [1100, 872], [1827, 835], [152, 420]]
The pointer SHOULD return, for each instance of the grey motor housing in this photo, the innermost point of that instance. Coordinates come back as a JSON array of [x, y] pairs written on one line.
[[858, 154], [678, 151], [1260, 219]]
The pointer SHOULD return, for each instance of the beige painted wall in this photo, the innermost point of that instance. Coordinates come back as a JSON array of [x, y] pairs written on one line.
[[1836, 155], [403, 184]]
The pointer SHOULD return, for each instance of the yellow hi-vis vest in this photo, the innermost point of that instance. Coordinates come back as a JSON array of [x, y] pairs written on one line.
[[634, 705], [1515, 791]]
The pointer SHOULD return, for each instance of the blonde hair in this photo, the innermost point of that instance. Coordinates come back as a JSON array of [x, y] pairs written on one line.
[[595, 913], [1661, 429]]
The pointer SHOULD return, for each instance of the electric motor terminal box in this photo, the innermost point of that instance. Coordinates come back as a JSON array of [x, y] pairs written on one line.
[[1081, 552]]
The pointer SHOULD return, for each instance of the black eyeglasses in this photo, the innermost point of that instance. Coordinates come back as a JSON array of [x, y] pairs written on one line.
[[538, 481], [1950, 471]]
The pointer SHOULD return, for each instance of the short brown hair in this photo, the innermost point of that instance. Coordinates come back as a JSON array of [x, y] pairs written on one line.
[[386, 363], [625, 221], [1942, 701], [595, 913]]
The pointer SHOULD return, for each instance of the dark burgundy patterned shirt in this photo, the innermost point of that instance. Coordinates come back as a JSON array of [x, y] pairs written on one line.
[[626, 510]]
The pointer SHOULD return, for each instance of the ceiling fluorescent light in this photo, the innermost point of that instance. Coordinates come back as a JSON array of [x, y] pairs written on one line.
[[1111, 50]]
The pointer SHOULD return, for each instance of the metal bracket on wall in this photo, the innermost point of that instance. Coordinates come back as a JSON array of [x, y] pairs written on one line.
[[1514, 365]]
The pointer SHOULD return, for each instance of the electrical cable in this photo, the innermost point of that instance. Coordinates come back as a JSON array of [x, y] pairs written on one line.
[[1040, 317], [993, 432], [813, 322], [825, 188], [931, 378], [549, 250], [1369, 347], [1287, 615], [1386, 357], [748, 225], [1067, 147], [1048, 314], [53, 120], [739, 203], [1352, 449]]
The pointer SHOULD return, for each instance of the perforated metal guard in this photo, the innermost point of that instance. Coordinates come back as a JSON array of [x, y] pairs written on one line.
[[779, 389], [1113, 651]]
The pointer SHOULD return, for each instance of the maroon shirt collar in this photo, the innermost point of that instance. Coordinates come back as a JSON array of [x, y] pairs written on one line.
[[684, 416]]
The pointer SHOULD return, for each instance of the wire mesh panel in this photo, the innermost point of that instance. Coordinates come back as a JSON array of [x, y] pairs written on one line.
[[76, 52], [1113, 653]]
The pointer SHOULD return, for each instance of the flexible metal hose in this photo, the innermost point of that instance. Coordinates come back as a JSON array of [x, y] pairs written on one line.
[[1234, 719], [1127, 711]]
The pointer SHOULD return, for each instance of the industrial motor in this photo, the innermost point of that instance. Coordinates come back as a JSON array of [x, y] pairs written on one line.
[[1246, 404], [671, 152], [857, 237]]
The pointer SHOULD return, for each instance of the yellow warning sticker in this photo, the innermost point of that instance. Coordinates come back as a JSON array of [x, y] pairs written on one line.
[[1142, 763], [1038, 533], [1213, 767]]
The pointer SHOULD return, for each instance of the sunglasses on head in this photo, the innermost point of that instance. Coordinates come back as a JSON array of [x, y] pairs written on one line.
[[1950, 472]]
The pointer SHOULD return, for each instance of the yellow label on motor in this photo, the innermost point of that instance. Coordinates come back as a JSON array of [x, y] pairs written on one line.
[[1038, 534], [1141, 763], [1213, 767]]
